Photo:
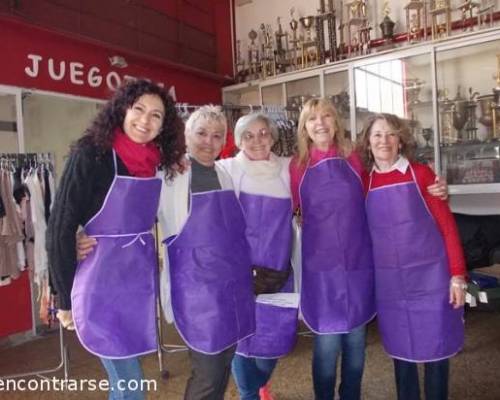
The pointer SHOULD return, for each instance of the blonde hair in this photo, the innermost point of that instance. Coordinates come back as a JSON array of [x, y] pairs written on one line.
[[208, 113], [304, 142]]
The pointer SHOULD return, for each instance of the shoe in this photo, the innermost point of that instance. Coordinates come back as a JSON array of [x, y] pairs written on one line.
[[264, 393]]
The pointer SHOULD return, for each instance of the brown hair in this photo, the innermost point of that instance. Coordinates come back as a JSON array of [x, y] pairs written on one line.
[[406, 140], [304, 142]]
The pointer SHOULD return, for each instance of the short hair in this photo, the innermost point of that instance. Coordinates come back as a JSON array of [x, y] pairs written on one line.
[[208, 112], [244, 122], [406, 139]]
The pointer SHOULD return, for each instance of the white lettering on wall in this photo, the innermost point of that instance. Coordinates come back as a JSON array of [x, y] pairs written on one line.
[[52, 72], [94, 78], [77, 73], [33, 72], [113, 80]]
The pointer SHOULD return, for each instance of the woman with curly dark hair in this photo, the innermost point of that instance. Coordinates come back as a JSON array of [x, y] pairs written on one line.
[[109, 186]]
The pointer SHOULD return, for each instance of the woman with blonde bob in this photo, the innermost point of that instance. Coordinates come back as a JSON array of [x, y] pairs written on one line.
[[337, 267], [337, 289], [418, 258]]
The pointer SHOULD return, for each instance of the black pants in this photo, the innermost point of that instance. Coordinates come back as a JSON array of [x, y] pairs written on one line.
[[209, 375]]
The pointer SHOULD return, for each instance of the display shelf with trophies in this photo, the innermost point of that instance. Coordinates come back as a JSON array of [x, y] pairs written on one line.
[[448, 91], [470, 122]]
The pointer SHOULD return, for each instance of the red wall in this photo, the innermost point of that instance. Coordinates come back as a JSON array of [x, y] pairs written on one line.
[[19, 40], [183, 31]]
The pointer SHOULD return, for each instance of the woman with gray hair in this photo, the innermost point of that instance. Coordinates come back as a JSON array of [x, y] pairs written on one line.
[[262, 183]]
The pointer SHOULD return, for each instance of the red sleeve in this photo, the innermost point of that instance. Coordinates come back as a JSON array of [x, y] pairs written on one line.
[[444, 219], [296, 173]]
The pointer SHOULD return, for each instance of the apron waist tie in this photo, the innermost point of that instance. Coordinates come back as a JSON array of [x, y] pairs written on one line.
[[137, 237], [134, 236]]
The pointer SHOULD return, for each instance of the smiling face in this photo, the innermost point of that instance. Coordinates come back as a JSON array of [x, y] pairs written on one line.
[[320, 127], [205, 140], [384, 142], [144, 119], [257, 140]]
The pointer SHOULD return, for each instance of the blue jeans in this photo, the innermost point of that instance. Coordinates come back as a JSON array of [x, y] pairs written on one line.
[[250, 374], [326, 351], [124, 374], [435, 380]]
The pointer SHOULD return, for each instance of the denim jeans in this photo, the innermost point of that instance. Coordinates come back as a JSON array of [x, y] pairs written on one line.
[[250, 374], [435, 380], [124, 374], [326, 351]]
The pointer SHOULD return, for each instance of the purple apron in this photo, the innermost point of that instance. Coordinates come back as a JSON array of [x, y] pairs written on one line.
[[415, 319], [114, 291], [337, 265], [210, 271], [269, 233]]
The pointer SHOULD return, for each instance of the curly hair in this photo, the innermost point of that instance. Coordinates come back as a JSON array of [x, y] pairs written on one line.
[[406, 139], [304, 142], [170, 141]]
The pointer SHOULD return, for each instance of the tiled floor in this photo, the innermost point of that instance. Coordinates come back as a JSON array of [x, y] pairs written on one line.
[[475, 372]]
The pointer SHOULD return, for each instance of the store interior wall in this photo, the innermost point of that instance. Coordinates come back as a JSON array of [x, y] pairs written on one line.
[[8, 138], [52, 123]]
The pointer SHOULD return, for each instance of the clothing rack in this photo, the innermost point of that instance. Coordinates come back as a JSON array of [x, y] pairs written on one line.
[[17, 162]]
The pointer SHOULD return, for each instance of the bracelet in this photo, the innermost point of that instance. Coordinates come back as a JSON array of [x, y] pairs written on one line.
[[459, 285]]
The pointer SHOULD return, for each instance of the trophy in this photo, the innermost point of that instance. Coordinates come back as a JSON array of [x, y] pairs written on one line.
[[281, 51], [387, 24], [447, 109], [486, 107], [267, 63], [240, 64], [416, 21], [496, 102], [470, 110], [427, 135], [329, 17], [440, 18], [459, 113], [308, 45], [412, 87], [253, 56], [358, 29], [294, 51], [467, 10], [485, 12]]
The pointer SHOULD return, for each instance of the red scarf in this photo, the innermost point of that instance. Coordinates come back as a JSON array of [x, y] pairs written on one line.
[[141, 160]]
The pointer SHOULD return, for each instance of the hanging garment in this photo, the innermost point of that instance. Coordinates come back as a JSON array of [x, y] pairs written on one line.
[[415, 319], [210, 274], [39, 227], [114, 291], [10, 229], [337, 288]]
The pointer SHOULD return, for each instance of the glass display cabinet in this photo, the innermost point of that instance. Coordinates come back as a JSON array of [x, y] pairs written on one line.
[[468, 83], [400, 86], [448, 91], [337, 88]]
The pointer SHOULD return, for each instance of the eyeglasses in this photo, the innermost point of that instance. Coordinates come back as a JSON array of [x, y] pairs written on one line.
[[261, 133]]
